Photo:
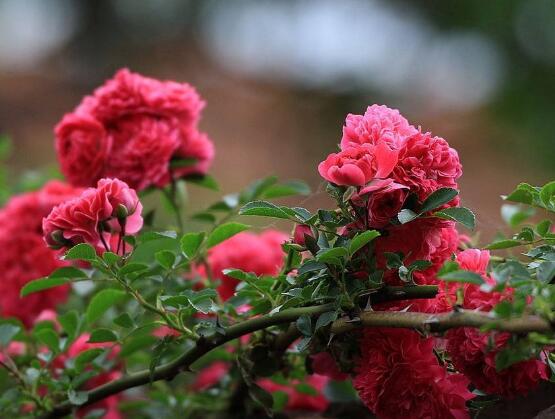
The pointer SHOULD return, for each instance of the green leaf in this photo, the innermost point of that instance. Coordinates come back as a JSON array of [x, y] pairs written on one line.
[[68, 272], [240, 275], [224, 232], [101, 302], [124, 320], [86, 357], [462, 276], [165, 258], [546, 272], [110, 258], [102, 335], [70, 323], [406, 216], [77, 398], [514, 215], [293, 187], [438, 198], [280, 400], [325, 318], [266, 209], [304, 324], [333, 255], [49, 338], [310, 266], [503, 244], [524, 193], [458, 214], [190, 243], [544, 228], [42, 284], [132, 267], [361, 240], [8, 332], [81, 251], [546, 194], [205, 181]]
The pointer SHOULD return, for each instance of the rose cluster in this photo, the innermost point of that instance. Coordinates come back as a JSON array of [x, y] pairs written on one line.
[[137, 129], [390, 163], [25, 256], [100, 217]]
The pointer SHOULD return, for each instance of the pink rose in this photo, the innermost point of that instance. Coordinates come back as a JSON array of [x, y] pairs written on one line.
[[358, 165], [399, 376], [94, 217], [83, 147], [385, 204], [131, 128], [210, 376], [260, 254], [427, 163], [379, 123], [299, 233]]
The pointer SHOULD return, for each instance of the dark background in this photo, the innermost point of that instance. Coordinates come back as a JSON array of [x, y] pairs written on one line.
[[280, 76]]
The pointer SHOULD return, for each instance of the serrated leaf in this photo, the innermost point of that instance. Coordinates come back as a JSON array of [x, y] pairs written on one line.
[[546, 272], [406, 215], [82, 251], [333, 255], [101, 302], [438, 198], [361, 240], [311, 266], [544, 228], [524, 193], [459, 214], [546, 194], [503, 244], [42, 284], [265, 209], [462, 276], [224, 232], [102, 335], [110, 258], [190, 243]]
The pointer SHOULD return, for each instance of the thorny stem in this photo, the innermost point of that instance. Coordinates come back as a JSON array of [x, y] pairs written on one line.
[[422, 321]]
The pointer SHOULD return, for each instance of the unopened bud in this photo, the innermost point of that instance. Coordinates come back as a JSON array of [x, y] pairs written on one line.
[[122, 212], [299, 234]]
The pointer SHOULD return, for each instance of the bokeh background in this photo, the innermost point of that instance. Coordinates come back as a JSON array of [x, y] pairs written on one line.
[[280, 76]]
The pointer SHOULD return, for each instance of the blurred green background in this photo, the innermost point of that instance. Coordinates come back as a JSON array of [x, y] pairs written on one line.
[[280, 76]]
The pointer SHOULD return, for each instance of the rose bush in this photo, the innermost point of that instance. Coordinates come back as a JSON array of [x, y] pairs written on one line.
[[378, 303]]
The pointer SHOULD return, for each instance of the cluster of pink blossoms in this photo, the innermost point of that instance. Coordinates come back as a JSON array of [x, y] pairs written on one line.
[[397, 374], [100, 216], [131, 128]]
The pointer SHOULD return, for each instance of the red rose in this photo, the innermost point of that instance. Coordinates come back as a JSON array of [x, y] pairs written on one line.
[[297, 400], [385, 204], [94, 216], [131, 128], [379, 123], [398, 376], [261, 254], [25, 257], [358, 165], [323, 363]]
